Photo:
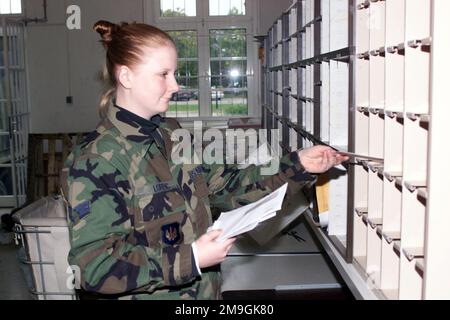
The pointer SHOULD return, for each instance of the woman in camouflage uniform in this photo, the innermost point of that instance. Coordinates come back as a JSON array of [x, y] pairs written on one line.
[[138, 221]]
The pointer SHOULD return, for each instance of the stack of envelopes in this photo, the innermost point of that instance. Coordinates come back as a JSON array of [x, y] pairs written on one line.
[[247, 218]]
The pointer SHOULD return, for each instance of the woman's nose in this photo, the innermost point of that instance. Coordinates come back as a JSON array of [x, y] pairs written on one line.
[[173, 86]]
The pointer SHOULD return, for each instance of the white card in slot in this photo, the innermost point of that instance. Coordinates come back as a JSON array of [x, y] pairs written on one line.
[[359, 156]]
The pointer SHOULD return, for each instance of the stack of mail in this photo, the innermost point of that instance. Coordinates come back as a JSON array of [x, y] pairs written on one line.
[[244, 219]]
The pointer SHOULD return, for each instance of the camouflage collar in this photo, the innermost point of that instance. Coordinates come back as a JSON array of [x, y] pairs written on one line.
[[135, 128]]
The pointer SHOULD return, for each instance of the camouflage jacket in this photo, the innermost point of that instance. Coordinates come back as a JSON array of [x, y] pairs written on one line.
[[133, 213]]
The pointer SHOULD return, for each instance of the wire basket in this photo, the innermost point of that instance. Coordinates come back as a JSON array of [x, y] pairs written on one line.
[[41, 228]]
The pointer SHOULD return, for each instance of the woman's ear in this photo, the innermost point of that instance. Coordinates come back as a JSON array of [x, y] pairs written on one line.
[[125, 77]]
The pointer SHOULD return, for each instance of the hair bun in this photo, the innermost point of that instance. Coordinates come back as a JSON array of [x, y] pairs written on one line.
[[105, 29]]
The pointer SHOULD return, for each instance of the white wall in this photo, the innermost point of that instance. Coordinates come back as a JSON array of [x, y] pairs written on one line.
[[64, 62], [270, 10]]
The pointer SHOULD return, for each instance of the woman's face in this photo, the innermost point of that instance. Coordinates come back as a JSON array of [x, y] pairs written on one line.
[[154, 81]]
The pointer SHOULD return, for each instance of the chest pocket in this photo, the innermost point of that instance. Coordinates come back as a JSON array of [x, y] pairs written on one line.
[[162, 218], [159, 200], [198, 200], [196, 178]]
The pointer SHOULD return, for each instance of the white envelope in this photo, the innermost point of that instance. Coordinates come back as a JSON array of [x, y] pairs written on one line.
[[246, 218]]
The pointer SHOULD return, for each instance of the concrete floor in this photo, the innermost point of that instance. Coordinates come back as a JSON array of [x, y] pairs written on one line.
[[13, 285]]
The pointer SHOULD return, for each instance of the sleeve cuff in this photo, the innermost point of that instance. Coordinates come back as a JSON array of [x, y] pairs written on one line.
[[299, 170], [195, 257], [178, 265]]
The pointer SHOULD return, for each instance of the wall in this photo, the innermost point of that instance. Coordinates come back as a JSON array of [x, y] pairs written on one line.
[[64, 62], [270, 10]]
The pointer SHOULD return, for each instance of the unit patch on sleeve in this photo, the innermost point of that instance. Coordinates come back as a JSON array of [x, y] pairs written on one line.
[[83, 209], [171, 233]]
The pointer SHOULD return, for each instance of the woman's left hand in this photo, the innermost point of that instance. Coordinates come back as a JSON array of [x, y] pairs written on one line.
[[320, 159]]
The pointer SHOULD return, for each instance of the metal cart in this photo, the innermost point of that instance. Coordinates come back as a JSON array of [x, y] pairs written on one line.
[[41, 228]]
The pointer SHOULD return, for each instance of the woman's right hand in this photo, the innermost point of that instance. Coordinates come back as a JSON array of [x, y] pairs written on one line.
[[209, 251]]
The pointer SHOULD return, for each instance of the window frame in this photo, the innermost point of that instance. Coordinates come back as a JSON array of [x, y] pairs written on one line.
[[14, 15], [246, 75], [203, 23], [198, 71], [240, 15], [157, 5]]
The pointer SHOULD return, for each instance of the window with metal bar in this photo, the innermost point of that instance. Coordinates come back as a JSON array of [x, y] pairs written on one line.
[[178, 8], [227, 8], [185, 103], [216, 71], [10, 6], [228, 67]]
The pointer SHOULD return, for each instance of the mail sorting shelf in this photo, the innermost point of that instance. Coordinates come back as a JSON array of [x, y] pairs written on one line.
[[396, 111], [393, 102], [393, 155], [307, 78]]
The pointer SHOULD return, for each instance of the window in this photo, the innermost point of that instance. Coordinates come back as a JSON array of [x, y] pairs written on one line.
[[10, 6], [178, 8], [216, 62], [185, 102], [228, 72], [226, 7]]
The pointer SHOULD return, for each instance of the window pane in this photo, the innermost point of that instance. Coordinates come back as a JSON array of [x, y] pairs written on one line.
[[5, 6], [228, 72], [4, 121], [216, 82], [213, 7], [215, 68], [186, 43], [192, 83], [185, 102], [237, 7], [226, 7], [228, 43], [192, 69], [5, 151], [16, 6], [178, 8], [10, 6], [234, 68], [6, 185], [187, 69], [229, 103], [215, 46], [237, 82], [191, 8]]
